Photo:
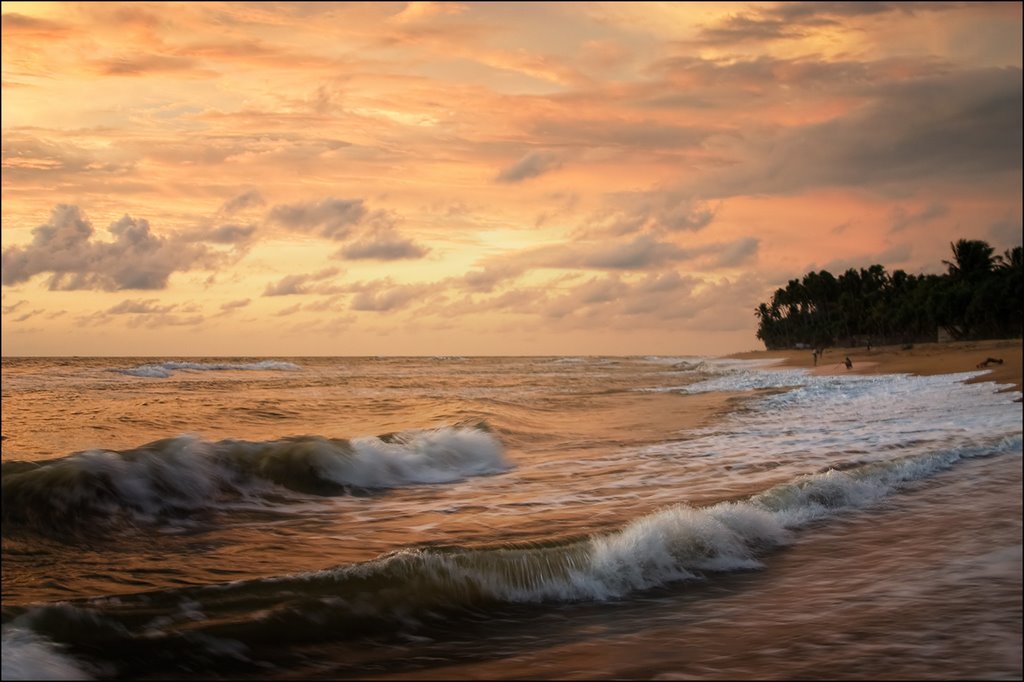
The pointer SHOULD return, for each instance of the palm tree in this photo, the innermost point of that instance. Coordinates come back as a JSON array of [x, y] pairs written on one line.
[[1009, 260], [973, 259]]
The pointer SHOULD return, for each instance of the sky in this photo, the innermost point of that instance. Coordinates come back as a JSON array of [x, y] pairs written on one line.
[[508, 178]]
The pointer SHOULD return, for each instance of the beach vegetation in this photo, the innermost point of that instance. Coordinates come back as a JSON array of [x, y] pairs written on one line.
[[978, 297]]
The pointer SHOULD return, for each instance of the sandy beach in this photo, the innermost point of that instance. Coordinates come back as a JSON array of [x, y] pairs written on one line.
[[921, 358]]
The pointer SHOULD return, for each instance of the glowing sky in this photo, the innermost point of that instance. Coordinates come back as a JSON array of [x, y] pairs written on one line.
[[294, 178]]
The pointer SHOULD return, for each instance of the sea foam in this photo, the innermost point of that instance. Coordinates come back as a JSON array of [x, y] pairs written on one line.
[[175, 476], [164, 370], [30, 656]]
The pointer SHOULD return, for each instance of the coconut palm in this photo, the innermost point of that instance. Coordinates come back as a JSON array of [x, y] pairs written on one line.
[[972, 259]]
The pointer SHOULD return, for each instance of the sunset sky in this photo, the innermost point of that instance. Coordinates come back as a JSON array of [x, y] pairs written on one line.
[[288, 178]]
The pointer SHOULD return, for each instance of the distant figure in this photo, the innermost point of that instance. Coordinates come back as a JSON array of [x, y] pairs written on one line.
[[990, 361], [869, 345], [815, 354], [848, 362]]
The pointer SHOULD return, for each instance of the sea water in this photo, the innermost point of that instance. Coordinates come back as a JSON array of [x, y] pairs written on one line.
[[486, 518]]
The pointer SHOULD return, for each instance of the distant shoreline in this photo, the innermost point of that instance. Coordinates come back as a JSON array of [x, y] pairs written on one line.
[[922, 358]]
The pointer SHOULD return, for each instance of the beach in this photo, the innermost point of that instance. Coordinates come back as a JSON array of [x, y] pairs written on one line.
[[920, 359]]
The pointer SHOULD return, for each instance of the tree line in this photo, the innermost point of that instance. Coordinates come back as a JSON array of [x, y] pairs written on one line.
[[979, 297]]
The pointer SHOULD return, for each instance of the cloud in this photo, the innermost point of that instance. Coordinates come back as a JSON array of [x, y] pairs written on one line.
[[608, 132], [744, 28], [531, 165], [8, 309], [654, 211], [136, 259], [245, 200], [642, 252], [901, 220], [149, 313], [15, 24], [842, 227], [958, 128], [664, 300], [29, 315], [331, 218], [383, 295], [387, 247], [594, 292], [380, 240], [228, 234], [383, 300], [819, 13], [29, 157], [720, 80], [234, 305], [140, 307], [898, 253], [416, 12], [1005, 233], [645, 252], [151, 64], [737, 253], [789, 20], [290, 285], [289, 310], [488, 277], [647, 301]]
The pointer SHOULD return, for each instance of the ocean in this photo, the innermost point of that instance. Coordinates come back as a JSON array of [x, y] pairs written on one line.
[[506, 518]]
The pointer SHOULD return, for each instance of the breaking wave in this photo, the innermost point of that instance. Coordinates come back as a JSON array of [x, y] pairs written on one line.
[[408, 589], [163, 370], [28, 656], [176, 476]]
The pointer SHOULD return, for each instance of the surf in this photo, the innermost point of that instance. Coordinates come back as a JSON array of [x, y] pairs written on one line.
[[175, 477]]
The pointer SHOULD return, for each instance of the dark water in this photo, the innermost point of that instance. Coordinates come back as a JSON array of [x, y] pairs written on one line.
[[485, 518]]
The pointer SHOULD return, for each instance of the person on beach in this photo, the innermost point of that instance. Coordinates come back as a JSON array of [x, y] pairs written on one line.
[[848, 362]]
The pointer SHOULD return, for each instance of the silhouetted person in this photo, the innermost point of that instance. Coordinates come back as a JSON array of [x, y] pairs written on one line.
[[848, 362]]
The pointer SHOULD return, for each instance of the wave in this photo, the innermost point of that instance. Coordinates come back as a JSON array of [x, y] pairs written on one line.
[[750, 375], [176, 476], [163, 370], [416, 587], [672, 360], [28, 656], [719, 374]]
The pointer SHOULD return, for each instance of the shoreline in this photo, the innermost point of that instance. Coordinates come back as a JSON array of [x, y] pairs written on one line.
[[921, 358]]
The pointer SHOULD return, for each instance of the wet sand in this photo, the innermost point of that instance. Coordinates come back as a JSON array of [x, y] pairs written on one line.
[[921, 358]]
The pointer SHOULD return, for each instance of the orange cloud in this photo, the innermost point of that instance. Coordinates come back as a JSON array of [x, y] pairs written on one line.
[[650, 171]]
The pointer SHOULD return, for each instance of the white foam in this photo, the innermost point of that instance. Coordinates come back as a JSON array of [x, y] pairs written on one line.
[[29, 656], [187, 473], [671, 545], [671, 359], [730, 375], [825, 420], [439, 456], [164, 370], [179, 472]]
